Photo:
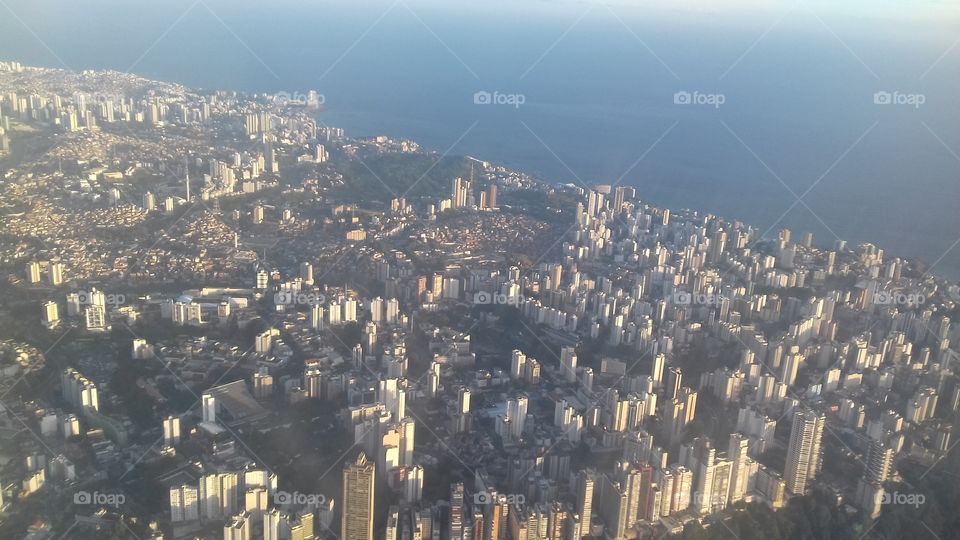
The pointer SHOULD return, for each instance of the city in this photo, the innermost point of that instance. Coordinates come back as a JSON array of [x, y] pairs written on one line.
[[223, 318]]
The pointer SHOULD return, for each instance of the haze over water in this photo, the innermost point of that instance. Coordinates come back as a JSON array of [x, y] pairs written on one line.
[[798, 85]]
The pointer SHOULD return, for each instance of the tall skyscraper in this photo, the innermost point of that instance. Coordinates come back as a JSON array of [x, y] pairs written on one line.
[[171, 431], [149, 202], [656, 370], [568, 364], [271, 524], [55, 273], [674, 381], [51, 314], [306, 273], [209, 408], [804, 452], [518, 362], [586, 480], [218, 495], [95, 318], [462, 419], [517, 415], [184, 505], [704, 472], [739, 474], [879, 462], [459, 192], [238, 527], [456, 511], [33, 272], [613, 506], [358, 496]]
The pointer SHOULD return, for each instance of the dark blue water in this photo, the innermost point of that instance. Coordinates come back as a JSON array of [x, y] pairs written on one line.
[[599, 89]]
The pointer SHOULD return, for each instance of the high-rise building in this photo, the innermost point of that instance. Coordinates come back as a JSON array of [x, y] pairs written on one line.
[[79, 391], [55, 273], [392, 315], [51, 314], [312, 382], [184, 503], [238, 527], [95, 318], [556, 275], [262, 384], [804, 453], [413, 484], [359, 479], [271, 524], [459, 193], [33, 272], [316, 316], [306, 273], [705, 475], [674, 382], [462, 419], [376, 309], [613, 507], [568, 364], [171, 431], [456, 511], [517, 415], [518, 362], [408, 429], [149, 202], [209, 404], [656, 370], [320, 154], [349, 310], [629, 477], [263, 278], [879, 462], [689, 398], [739, 469], [497, 518], [586, 481], [255, 502], [218, 495], [682, 486]]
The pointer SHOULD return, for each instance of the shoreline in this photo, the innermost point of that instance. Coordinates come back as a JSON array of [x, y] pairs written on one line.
[[151, 84]]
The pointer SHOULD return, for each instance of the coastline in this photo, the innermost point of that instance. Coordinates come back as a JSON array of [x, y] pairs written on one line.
[[152, 85]]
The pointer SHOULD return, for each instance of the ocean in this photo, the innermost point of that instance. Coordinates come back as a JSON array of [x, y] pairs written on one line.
[[736, 112]]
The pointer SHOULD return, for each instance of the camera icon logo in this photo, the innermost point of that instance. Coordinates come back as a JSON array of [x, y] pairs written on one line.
[[482, 98], [82, 497], [482, 498], [882, 98], [682, 98], [281, 498]]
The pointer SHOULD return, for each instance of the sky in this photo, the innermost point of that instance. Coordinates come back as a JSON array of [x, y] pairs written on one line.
[[922, 9]]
